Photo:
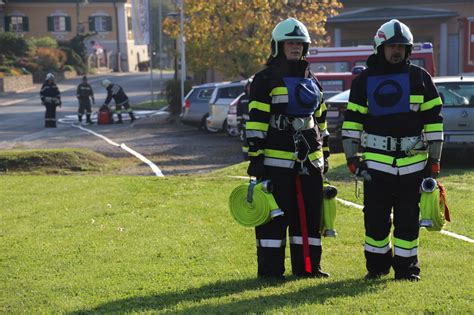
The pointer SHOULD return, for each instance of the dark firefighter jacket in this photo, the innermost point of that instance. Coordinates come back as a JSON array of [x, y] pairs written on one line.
[[50, 93], [116, 92], [269, 97], [395, 103], [84, 91]]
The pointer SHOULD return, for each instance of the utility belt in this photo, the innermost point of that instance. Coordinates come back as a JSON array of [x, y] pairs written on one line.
[[388, 143], [282, 122]]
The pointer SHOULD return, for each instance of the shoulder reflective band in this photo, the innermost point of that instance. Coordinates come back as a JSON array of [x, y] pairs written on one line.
[[279, 91], [357, 108], [261, 210], [430, 104], [264, 107]]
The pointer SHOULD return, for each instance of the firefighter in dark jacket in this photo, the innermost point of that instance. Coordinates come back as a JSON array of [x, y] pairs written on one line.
[[84, 95], [393, 118], [288, 144], [243, 116], [116, 92], [50, 98]]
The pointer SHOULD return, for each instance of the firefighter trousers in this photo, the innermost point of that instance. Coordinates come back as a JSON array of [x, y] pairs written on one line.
[[50, 115], [271, 237], [381, 194]]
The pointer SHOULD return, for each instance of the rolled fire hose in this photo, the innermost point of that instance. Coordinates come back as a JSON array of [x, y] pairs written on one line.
[[252, 204], [433, 205], [329, 210]]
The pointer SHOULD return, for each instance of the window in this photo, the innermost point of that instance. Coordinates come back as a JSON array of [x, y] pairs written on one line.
[[16, 24], [456, 94], [100, 23], [130, 28], [231, 92], [59, 23], [330, 66]]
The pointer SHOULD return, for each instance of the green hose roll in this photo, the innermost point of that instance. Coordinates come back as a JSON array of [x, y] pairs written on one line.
[[433, 208], [260, 210]]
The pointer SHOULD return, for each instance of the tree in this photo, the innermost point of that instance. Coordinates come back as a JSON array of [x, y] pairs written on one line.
[[233, 36]]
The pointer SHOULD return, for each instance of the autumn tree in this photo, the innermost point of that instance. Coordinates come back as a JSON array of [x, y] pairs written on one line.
[[233, 36]]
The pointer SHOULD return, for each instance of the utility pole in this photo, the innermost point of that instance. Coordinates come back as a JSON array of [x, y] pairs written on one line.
[[160, 43], [150, 49], [183, 51]]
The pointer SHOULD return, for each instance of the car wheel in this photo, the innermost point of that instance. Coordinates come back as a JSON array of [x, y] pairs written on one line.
[[231, 131]]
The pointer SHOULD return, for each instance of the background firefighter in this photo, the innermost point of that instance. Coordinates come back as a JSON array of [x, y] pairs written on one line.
[[243, 117], [84, 95], [50, 99], [284, 133], [393, 115], [116, 92]]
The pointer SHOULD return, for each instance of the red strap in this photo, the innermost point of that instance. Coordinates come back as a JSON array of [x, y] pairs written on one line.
[[435, 168], [352, 167], [304, 227], [442, 197]]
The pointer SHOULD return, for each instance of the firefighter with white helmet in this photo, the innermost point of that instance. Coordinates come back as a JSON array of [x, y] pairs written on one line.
[[116, 92], [288, 144], [393, 118], [50, 99]]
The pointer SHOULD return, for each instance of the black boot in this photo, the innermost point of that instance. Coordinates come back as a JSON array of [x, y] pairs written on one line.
[[374, 275], [79, 117], [119, 121], [412, 277], [88, 119], [132, 117]]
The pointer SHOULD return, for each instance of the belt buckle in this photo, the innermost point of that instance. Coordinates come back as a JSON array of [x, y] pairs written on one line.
[[297, 123], [393, 144], [280, 122]]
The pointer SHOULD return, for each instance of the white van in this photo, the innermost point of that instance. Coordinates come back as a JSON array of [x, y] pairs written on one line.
[[219, 103]]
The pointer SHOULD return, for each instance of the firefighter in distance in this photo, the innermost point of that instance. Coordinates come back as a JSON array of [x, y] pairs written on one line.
[[116, 92], [50, 99], [84, 95]]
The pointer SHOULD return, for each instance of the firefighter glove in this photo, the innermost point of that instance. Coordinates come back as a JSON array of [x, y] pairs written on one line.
[[432, 168], [326, 166], [256, 167]]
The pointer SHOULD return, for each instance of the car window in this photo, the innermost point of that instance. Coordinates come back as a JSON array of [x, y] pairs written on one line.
[[205, 94], [330, 66], [456, 93], [230, 92]]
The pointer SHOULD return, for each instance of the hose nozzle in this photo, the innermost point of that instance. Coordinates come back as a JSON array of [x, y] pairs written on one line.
[[428, 185]]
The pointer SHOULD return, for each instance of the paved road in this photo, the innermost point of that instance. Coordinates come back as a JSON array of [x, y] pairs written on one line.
[[174, 147]]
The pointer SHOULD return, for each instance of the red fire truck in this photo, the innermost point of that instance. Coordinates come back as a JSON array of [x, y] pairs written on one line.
[[335, 67]]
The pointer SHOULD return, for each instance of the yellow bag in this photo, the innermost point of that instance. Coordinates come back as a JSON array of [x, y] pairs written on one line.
[[433, 205]]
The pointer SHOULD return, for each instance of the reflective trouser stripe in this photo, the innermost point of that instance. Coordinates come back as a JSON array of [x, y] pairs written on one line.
[[245, 149], [404, 170], [406, 252], [255, 134], [298, 240], [122, 103], [377, 250], [270, 243], [278, 162], [351, 133]]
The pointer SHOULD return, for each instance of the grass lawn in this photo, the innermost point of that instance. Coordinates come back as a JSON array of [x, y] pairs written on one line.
[[79, 244]]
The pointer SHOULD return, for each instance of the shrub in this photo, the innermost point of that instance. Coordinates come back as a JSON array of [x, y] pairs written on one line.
[[68, 68], [46, 42], [13, 45], [50, 59]]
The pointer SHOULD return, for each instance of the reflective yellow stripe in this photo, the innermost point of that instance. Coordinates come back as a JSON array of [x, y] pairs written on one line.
[[264, 107], [400, 162], [325, 149], [323, 126], [315, 155], [253, 125], [279, 91], [433, 127], [416, 99], [357, 108], [255, 153], [280, 154], [323, 107], [375, 243], [406, 244], [352, 125], [430, 104]]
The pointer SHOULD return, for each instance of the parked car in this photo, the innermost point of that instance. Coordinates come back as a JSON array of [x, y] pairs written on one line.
[[336, 106], [219, 103], [196, 105], [457, 94], [233, 128]]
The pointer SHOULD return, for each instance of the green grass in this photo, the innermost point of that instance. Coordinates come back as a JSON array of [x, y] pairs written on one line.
[[149, 105], [79, 244]]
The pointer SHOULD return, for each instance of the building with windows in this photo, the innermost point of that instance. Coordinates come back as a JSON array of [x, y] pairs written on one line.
[[110, 20], [448, 24]]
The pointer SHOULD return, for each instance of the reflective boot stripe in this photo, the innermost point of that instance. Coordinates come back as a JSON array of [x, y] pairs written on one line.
[[298, 240], [270, 243], [406, 252]]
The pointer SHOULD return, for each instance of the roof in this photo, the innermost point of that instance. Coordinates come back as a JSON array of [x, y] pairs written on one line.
[[388, 13]]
